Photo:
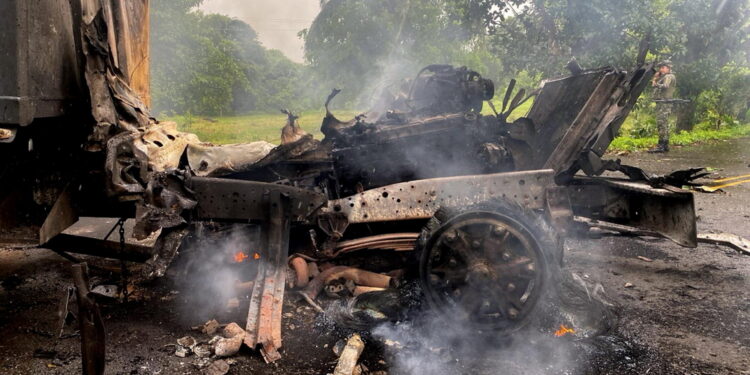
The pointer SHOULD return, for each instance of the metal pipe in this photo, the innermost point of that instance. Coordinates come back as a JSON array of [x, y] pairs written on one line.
[[301, 271], [359, 276]]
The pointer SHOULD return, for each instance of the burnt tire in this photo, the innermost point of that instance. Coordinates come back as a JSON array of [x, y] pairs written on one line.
[[489, 264]]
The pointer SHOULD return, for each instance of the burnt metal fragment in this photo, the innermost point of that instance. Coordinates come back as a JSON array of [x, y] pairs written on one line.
[[266, 300], [90, 323]]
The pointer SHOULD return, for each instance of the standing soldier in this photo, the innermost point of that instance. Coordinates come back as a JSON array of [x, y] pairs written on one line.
[[664, 84]]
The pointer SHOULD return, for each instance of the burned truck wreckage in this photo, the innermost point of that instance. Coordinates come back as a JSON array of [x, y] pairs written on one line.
[[472, 207]]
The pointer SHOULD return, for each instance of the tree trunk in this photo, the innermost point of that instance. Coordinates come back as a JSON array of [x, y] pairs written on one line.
[[686, 116], [742, 116]]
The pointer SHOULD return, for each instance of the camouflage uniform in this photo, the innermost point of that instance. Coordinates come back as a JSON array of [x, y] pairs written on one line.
[[664, 90]]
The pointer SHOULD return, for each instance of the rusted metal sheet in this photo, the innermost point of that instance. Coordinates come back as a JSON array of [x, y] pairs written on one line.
[[89, 236], [165, 145], [420, 199], [267, 297], [207, 160], [132, 19], [41, 75], [61, 216], [579, 131], [636, 204], [575, 118], [40, 69], [224, 199], [728, 239], [387, 241]]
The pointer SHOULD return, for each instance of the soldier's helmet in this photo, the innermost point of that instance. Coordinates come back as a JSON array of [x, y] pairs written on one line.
[[664, 63]]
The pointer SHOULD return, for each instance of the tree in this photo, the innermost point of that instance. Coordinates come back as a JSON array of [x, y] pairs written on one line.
[[210, 64], [358, 45]]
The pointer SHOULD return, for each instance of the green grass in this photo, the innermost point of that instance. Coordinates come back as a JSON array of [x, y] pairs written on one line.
[[249, 128], [521, 111], [680, 139], [267, 126]]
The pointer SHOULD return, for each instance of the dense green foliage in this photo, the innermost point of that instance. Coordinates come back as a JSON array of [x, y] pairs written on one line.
[[205, 64], [211, 64], [361, 45], [708, 41]]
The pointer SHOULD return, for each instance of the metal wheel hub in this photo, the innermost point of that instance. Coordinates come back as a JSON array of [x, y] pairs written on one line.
[[485, 267]]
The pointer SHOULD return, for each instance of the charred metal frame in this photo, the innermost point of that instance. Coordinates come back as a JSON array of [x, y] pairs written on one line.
[[669, 212], [238, 200], [266, 299], [420, 199]]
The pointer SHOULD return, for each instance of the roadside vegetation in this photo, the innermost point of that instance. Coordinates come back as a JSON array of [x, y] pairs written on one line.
[[251, 127], [212, 75]]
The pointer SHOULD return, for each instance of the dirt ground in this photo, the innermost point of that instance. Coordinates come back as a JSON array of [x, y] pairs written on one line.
[[687, 311]]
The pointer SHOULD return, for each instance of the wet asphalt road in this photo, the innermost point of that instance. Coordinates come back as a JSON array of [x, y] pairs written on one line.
[[692, 306]]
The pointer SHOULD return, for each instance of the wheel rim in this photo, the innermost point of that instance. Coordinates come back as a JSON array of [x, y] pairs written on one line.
[[484, 267]]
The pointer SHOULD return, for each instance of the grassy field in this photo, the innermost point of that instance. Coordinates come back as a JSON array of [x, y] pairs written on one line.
[[679, 139], [249, 128], [267, 127]]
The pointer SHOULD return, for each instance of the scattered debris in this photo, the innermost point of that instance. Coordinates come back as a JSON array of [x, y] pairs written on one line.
[[218, 367], [185, 346], [90, 324], [232, 341], [6, 134], [644, 258], [338, 347], [187, 341], [358, 276], [181, 351], [202, 350], [208, 328], [301, 271], [349, 355], [732, 240], [64, 315], [291, 132], [366, 289], [629, 285], [109, 291], [723, 182]]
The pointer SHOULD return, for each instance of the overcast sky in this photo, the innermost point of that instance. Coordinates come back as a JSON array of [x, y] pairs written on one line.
[[276, 21]]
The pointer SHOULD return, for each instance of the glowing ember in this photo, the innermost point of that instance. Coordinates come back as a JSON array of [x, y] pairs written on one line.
[[564, 331], [240, 257], [256, 256]]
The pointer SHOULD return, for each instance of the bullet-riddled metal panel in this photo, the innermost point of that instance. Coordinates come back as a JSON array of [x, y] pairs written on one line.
[[420, 199], [225, 199]]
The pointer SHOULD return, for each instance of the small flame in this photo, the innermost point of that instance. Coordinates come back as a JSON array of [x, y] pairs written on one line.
[[256, 256], [240, 257], [563, 331]]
